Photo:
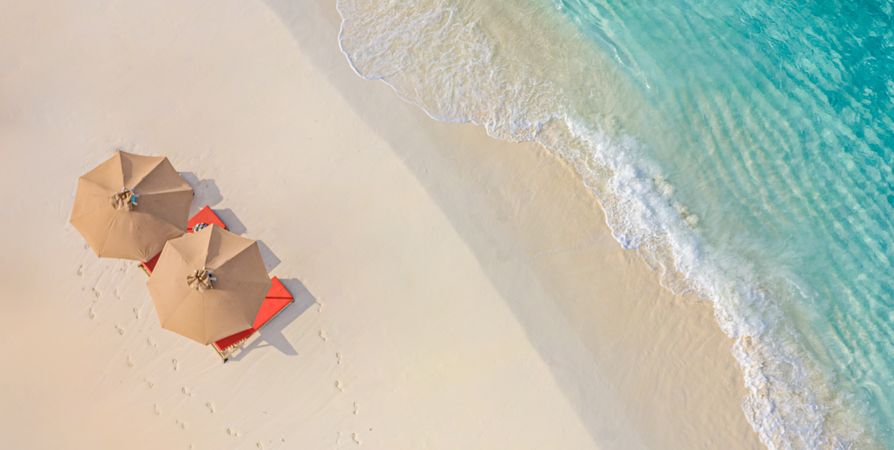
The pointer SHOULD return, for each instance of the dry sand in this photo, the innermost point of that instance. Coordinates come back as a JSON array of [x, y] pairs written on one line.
[[454, 292]]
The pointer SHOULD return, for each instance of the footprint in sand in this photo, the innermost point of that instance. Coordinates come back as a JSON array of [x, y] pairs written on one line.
[[180, 424], [323, 336], [319, 307], [120, 329], [130, 361], [151, 343], [156, 409], [338, 358], [232, 432], [175, 365], [339, 386], [149, 383], [356, 438], [136, 313], [210, 407], [356, 408], [91, 313], [185, 390], [259, 445], [95, 292], [81, 270]]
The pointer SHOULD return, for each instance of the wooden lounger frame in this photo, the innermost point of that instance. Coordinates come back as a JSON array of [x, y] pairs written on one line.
[[226, 353]]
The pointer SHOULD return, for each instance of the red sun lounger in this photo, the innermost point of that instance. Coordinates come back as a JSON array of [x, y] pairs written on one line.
[[278, 297], [201, 219]]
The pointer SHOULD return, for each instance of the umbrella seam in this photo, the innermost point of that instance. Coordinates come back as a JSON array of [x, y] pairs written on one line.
[[180, 305], [234, 255], [161, 219], [84, 213], [176, 251], [118, 155], [135, 183], [105, 240], [167, 191]]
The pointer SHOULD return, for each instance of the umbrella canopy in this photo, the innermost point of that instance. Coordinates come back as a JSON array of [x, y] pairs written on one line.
[[128, 206], [209, 285]]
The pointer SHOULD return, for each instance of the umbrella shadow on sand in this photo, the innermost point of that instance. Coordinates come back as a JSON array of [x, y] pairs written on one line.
[[270, 258], [272, 333], [205, 190]]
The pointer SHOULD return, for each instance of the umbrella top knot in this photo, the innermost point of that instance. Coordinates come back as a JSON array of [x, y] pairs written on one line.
[[124, 200], [201, 280]]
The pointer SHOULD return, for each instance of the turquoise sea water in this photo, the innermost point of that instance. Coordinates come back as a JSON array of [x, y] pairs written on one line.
[[745, 149]]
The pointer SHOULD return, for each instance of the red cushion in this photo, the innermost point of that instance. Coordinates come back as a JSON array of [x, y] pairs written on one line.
[[270, 308], [278, 290], [207, 216], [234, 339], [149, 266], [278, 297]]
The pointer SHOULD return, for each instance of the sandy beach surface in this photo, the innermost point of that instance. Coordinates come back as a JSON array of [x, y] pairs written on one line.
[[453, 291]]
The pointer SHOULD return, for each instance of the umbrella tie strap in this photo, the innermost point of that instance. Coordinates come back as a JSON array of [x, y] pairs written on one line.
[[125, 200], [201, 280]]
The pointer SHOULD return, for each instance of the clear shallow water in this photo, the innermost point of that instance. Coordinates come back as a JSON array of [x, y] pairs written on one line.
[[744, 148]]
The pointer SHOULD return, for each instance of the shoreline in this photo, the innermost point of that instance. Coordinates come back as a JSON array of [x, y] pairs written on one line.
[[441, 272]]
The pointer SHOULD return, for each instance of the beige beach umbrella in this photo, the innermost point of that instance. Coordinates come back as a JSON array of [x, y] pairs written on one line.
[[209, 285], [128, 206]]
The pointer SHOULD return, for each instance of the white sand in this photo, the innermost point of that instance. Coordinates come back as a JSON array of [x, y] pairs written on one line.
[[454, 292]]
